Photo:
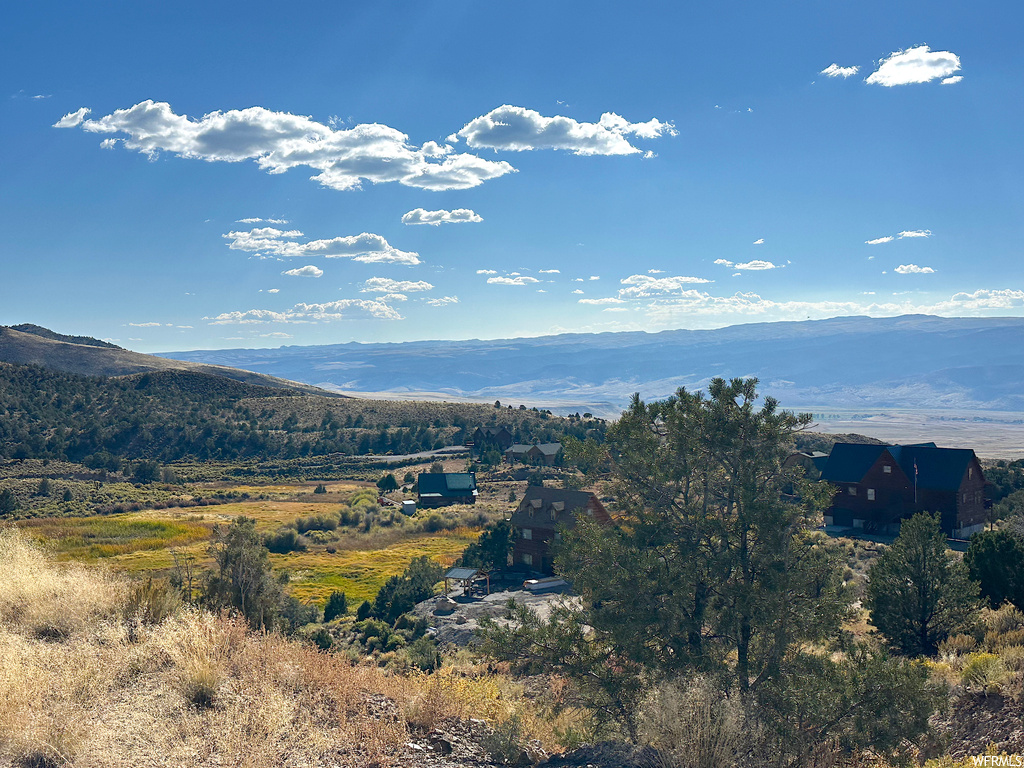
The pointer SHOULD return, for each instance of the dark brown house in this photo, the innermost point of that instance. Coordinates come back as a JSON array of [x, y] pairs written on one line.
[[499, 437], [542, 515], [881, 485]]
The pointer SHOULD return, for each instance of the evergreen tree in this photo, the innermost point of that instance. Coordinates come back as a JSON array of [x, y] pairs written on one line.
[[8, 501], [243, 578], [337, 605], [918, 592], [995, 559]]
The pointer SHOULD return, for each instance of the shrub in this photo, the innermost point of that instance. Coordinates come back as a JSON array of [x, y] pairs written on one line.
[[957, 645], [507, 742], [983, 670], [364, 610], [423, 653], [151, 602], [285, 540], [321, 488], [1007, 619]]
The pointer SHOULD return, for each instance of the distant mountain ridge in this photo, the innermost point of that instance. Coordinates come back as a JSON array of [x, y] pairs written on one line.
[[912, 361], [87, 356]]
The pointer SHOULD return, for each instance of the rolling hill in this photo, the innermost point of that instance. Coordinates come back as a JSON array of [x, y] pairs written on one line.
[[33, 345]]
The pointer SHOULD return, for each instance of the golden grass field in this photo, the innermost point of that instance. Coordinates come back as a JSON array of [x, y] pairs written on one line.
[[145, 542]]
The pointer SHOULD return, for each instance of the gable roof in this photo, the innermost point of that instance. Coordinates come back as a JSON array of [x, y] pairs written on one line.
[[447, 484], [548, 449], [565, 505], [939, 469], [849, 462], [493, 431]]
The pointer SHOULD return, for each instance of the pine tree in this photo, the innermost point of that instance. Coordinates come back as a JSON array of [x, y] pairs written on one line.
[[918, 592]]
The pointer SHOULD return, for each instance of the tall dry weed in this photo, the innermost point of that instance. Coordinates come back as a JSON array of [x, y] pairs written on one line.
[[53, 602]]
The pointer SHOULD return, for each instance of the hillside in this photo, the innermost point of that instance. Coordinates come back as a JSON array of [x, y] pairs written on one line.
[[173, 414], [34, 345], [914, 361]]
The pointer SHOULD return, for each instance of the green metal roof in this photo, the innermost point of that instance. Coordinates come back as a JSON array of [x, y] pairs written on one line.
[[447, 483]]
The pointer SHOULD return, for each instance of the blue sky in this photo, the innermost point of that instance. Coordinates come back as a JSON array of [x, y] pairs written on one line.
[[185, 176]]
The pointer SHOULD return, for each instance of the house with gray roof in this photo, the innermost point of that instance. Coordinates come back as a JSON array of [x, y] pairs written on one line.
[[536, 454], [878, 486]]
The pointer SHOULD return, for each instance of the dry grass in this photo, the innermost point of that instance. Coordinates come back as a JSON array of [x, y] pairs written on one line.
[[82, 683]]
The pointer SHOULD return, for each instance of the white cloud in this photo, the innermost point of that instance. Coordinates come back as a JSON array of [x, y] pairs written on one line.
[[549, 271], [723, 262], [184, 327], [915, 233], [643, 286], [913, 269], [615, 309], [759, 241], [307, 271], [387, 285], [72, 119], [952, 80], [878, 240], [273, 290], [442, 301], [258, 220], [145, 325], [914, 65], [308, 313], [578, 291], [655, 271], [595, 277], [518, 129], [436, 218], [521, 280], [758, 265], [487, 271], [365, 247], [577, 279], [394, 297], [608, 300], [834, 70], [276, 335], [279, 141]]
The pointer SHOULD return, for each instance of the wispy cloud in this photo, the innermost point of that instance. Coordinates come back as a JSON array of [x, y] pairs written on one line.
[[911, 233], [599, 302], [442, 301], [365, 247], [642, 286], [952, 80], [518, 280], [279, 141], [754, 265], [834, 70], [308, 313], [759, 241], [437, 218], [257, 220], [518, 129], [487, 271], [387, 285], [913, 269], [914, 65], [307, 271], [549, 271], [145, 325], [758, 265]]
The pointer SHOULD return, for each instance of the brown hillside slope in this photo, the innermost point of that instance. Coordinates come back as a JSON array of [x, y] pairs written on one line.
[[33, 349]]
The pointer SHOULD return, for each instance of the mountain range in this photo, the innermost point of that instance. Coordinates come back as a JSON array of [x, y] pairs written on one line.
[[912, 361]]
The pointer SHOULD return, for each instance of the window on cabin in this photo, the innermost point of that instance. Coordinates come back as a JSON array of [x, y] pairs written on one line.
[[970, 473], [527, 559], [527, 533], [852, 490], [871, 494], [887, 469]]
